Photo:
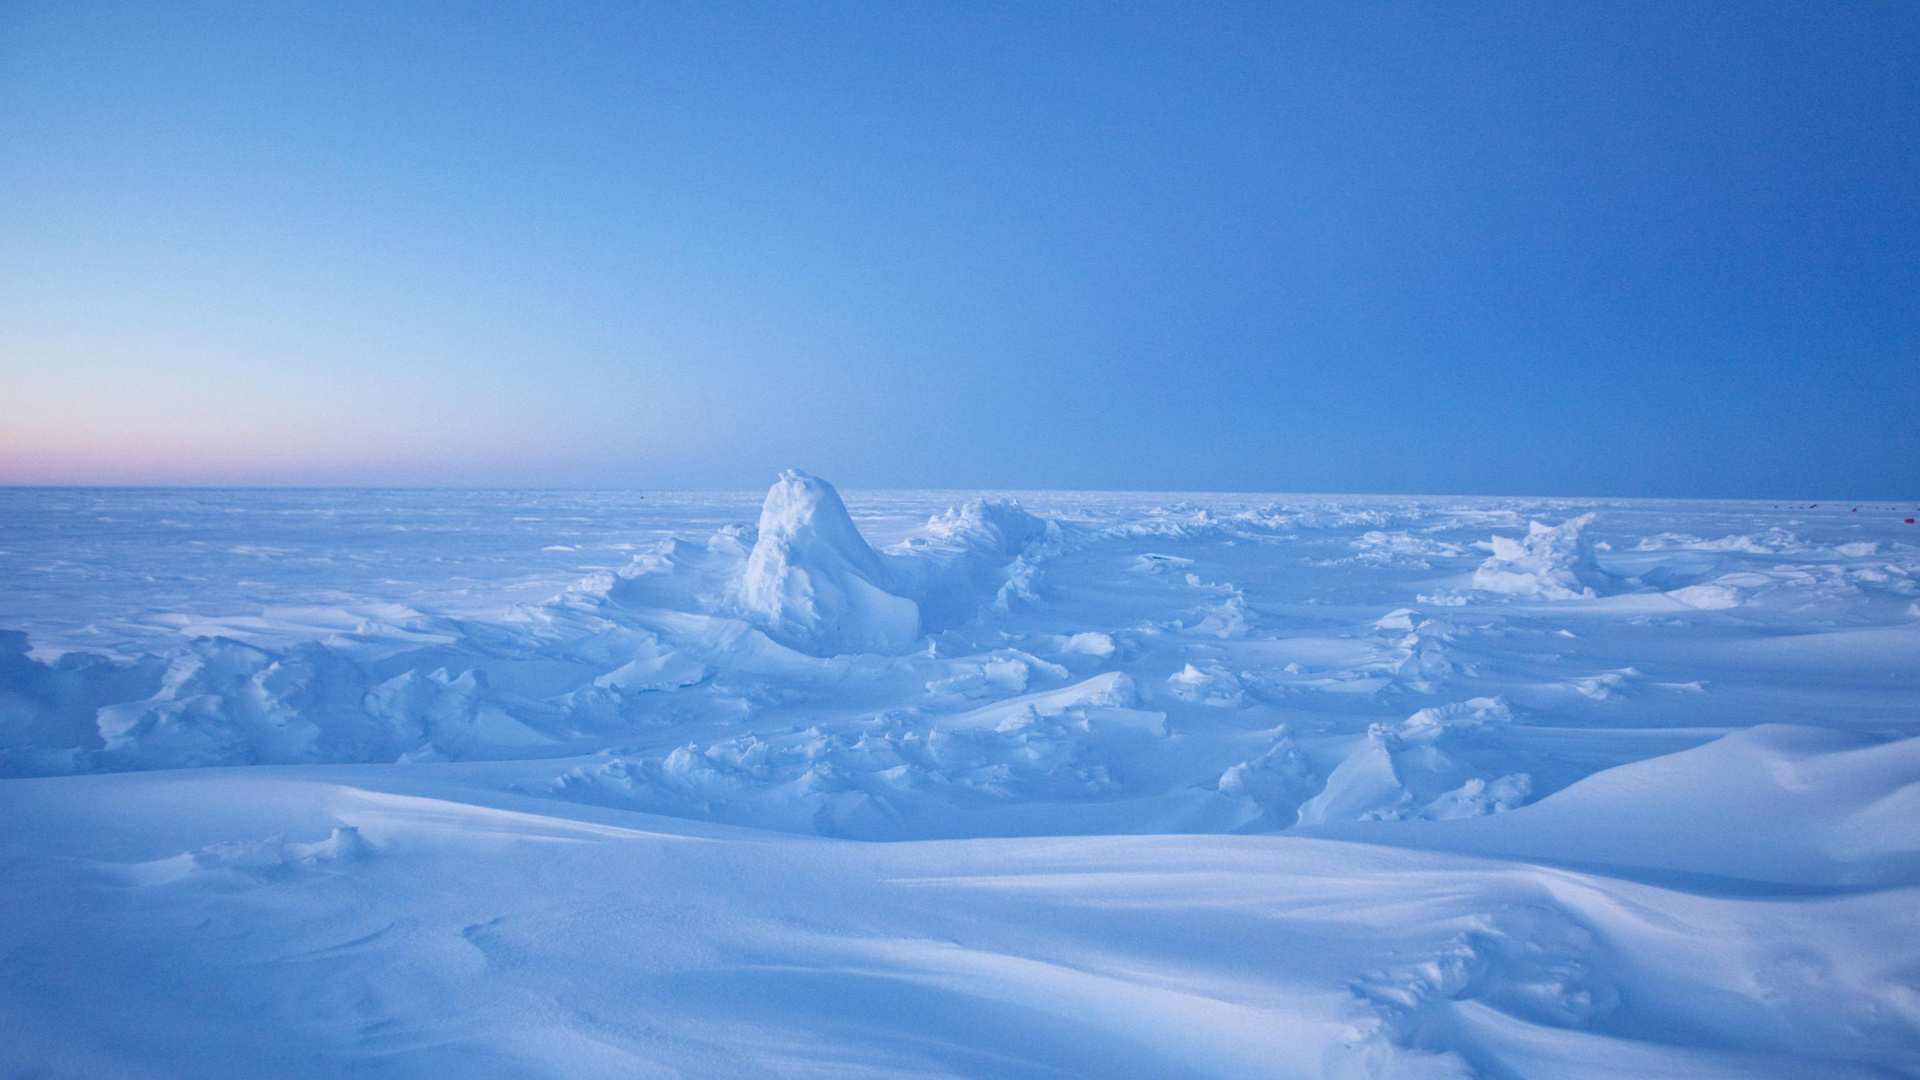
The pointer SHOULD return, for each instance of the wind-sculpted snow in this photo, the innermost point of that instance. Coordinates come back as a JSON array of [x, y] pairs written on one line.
[[1184, 785]]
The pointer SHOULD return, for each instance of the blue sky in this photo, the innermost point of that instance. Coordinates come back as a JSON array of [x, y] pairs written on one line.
[[1612, 249]]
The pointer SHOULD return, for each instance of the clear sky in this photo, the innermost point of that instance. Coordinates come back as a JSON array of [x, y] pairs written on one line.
[[1557, 248]]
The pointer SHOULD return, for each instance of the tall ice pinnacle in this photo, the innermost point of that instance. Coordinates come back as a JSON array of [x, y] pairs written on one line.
[[814, 583]]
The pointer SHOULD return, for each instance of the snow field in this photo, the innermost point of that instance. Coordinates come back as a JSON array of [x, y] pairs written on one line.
[[1184, 786], [505, 937]]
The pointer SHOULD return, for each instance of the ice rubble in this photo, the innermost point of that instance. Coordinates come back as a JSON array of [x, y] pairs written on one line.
[[1544, 565], [895, 776], [779, 602], [800, 624]]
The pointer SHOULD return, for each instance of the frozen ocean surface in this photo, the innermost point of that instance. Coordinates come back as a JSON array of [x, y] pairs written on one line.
[[527, 784]]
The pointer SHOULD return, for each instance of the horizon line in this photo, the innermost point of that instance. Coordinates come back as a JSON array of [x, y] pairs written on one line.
[[1813, 502]]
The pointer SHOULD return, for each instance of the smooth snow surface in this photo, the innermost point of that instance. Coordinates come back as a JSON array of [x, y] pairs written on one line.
[[555, 784]]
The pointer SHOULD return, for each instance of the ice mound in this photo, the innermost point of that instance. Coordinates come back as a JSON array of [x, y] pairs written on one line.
[[985, 548], [1109, 700], [653, 668], [1422, 767], [1212, 685], [1277, 782], [814, 583], [1542, 566], [1003, 671], [447, 716]]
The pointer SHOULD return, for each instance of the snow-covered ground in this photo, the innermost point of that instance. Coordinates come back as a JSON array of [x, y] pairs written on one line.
[[317, 783]]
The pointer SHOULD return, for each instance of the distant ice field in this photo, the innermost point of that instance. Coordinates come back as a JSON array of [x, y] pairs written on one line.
[[534, 783], [106, 568]]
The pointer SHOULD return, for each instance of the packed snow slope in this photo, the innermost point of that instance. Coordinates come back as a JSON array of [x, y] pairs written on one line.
[[528, 784]]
